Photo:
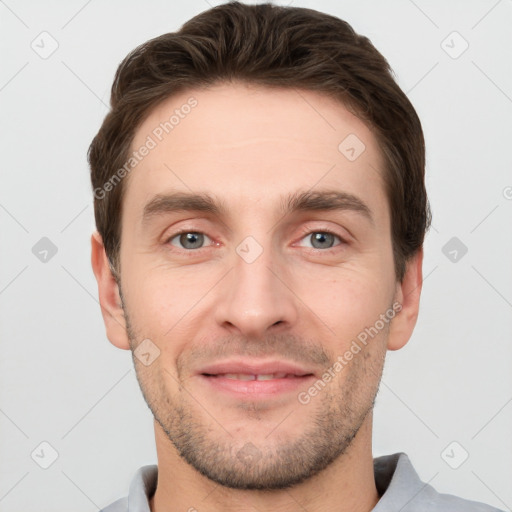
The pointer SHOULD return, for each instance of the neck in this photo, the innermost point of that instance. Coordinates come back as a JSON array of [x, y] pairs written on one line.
[[348, 484]]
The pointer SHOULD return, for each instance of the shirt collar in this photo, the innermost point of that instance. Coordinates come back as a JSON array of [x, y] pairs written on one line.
[[142, 488], [396, 480]]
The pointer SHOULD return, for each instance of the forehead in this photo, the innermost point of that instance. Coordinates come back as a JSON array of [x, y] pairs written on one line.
[[253, 140]]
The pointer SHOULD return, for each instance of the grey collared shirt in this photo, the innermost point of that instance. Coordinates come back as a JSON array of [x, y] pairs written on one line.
[[398, 485]]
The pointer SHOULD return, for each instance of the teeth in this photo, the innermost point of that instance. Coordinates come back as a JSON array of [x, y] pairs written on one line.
[[245, 376], [239, 376], [273, 376]]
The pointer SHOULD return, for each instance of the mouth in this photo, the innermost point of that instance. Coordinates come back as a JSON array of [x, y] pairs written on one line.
[[249, 376], [259, 386], [255, 379]]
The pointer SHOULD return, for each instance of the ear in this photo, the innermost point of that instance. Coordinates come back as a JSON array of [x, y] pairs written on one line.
[[108, 291], [408, 295]]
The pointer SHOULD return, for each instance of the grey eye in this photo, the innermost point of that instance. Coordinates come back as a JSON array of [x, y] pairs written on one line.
[[322, 239], [189, 240]]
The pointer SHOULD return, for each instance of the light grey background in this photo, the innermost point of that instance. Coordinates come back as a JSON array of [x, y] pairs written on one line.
[[63, 383]]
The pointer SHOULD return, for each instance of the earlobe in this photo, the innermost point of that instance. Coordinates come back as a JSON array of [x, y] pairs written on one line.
[[408, 295], [108, 293]]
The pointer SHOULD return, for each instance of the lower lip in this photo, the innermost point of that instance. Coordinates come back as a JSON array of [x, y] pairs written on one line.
[[257, 388]]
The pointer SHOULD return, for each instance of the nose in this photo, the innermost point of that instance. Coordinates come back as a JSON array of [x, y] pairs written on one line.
[[256, 296]]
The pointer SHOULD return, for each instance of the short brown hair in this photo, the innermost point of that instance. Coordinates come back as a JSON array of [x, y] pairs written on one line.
[[273, 46]]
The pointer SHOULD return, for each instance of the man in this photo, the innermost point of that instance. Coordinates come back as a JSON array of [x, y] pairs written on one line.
[[261, 209]]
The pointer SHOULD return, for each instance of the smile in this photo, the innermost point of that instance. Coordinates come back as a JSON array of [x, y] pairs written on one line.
[[248, 376]]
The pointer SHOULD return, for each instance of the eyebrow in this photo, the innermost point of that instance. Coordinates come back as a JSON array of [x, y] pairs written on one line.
[[322, 200], [327, 200]]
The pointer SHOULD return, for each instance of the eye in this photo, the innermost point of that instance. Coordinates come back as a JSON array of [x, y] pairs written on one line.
[[188, 240], [322, 239]]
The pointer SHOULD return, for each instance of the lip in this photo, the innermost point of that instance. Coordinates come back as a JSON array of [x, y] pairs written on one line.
[[256, 389], [214, 377], [255, 367]]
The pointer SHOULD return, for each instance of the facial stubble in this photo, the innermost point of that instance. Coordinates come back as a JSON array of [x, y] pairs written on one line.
[[332, 420]]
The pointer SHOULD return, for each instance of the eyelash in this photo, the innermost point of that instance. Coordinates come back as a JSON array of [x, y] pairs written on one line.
[[304, 234]]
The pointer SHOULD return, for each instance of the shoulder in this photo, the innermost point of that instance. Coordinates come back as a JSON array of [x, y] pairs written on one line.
[[401, 489], [120, 505], [437, 501]]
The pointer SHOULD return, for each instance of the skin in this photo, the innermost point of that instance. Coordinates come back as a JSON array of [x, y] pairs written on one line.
[[247, 146]]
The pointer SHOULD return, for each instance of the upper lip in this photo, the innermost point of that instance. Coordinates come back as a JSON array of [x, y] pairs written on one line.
[[254, 367]]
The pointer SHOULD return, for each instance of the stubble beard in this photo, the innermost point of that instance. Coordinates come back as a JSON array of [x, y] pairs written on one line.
[[335, 417]]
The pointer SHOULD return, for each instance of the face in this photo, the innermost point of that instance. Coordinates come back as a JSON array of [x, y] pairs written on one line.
[[255, 251]]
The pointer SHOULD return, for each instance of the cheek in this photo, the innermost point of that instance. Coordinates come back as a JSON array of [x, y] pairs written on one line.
[[150, 304], [167, 305], [347, 303]]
